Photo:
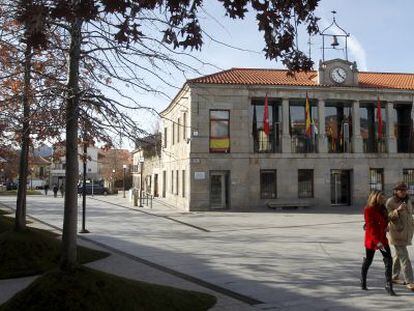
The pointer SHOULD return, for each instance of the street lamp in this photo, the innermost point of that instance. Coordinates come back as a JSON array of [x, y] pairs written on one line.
[[85, 156], [113, 181], [3, 177], [123, 181], [31, 178], [141, 162]]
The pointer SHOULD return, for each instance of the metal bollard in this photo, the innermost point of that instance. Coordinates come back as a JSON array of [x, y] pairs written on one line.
[[135, 197]]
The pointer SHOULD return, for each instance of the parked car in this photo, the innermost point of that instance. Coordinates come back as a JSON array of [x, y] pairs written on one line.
[[97, 189], [11, 185], [36, 183]]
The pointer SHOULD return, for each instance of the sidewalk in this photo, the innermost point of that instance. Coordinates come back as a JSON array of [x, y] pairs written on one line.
[[283, 260], [158, 205], [125, 266]]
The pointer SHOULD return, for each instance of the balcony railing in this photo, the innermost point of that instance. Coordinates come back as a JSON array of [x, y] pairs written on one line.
[[339, 145], [377, 146], [267, 144], [303, 144]]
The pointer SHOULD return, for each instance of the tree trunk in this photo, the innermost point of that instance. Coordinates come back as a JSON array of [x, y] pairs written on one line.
[[70, 220], [20, 220]]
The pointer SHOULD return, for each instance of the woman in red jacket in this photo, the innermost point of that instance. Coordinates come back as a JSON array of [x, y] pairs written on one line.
[[376, 224]]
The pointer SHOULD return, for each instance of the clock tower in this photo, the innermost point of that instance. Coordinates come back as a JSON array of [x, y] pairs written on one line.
[[337, 71]]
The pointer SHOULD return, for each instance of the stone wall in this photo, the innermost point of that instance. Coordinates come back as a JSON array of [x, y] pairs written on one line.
[[244, 165]]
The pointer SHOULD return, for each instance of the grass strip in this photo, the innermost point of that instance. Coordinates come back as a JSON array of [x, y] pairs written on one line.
[[14, 192], [33, 251], [87, 289]]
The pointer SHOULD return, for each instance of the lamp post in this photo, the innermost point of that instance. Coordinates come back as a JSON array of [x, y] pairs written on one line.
[[3, 177], [141, 162], [31, 178], [85, 156], [113, 181], [123, 180]]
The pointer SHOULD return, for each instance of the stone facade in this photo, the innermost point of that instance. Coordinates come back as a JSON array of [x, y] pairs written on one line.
[[186, 147]]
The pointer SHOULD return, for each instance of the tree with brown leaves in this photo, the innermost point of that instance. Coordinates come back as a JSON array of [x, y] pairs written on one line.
[[125, 23]]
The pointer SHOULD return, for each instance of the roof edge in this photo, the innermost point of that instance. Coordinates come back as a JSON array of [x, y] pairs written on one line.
[[173, 101]]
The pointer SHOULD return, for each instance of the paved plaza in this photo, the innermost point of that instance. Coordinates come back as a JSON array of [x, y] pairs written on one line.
[[275, 260]]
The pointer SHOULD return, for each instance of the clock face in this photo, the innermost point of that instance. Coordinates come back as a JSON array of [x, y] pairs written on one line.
[[338, 75]]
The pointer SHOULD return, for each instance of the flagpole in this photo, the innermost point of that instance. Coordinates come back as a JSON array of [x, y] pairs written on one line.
[[308, 129], [254, 130], [266, 127]]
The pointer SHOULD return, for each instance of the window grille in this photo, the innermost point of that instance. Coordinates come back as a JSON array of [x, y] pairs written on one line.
[[268, 188], [408, 177], [305, 183], [376, 179]]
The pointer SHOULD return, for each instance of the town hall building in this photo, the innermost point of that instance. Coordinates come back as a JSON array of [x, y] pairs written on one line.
[[217, 154]]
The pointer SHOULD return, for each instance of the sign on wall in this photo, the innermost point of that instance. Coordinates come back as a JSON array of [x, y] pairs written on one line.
[[199, 175]]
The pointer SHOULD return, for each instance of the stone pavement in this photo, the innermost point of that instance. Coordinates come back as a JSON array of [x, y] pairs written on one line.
[[276, 260]]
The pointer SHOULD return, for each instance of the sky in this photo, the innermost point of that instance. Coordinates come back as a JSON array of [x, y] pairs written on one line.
[[381, 39]]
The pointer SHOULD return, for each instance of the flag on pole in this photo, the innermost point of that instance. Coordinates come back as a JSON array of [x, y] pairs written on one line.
[[308, 126], [379, 117], [254, 129], [314, 128], [266, 127]]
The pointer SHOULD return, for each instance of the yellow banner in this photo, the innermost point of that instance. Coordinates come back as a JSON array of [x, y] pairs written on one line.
[[220, 143]]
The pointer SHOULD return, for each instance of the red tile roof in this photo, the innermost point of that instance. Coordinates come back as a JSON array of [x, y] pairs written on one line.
[[249, 76]]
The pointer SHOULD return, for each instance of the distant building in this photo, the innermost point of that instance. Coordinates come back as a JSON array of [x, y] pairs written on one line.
[[39, 171], [146, 162], [110, 167], [58, 166]]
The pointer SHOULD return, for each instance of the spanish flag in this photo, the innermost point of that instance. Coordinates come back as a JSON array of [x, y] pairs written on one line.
[[308, 123]]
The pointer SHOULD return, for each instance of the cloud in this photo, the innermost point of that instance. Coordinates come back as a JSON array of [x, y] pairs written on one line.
[[358, 51], [355, 48]]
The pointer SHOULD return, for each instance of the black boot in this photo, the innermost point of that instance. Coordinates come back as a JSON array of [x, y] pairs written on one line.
[[364, 272], [388, 276]]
